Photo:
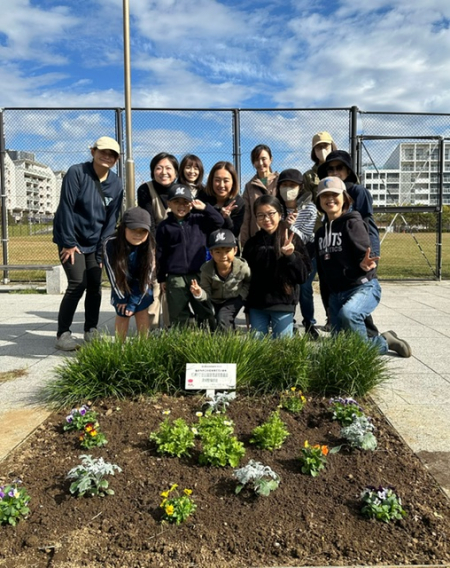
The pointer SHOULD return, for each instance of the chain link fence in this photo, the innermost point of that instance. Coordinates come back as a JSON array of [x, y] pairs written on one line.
[[38, 145]]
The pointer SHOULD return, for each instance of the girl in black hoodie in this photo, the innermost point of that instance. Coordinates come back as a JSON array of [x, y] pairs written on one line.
[[347, 273]]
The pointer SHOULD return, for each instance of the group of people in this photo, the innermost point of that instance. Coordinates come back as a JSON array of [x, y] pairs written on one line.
[[194, 252]]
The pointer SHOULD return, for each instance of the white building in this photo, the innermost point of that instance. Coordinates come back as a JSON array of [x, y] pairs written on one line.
[[410, 176], [31, 187]]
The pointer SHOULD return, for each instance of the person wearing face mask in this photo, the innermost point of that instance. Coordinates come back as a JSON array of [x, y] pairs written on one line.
[[322, 145], [300, 214]]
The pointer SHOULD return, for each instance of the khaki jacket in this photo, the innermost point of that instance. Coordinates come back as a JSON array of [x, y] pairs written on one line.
[[236, 284], [254, 189]]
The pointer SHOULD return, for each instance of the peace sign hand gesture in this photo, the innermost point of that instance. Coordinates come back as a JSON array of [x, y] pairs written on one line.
[[368, 263], [288, 248], [226, 211], [195, 289]]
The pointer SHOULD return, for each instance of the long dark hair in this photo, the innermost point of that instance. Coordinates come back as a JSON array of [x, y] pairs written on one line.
[[228, 166], [119, 261], [188, 160]]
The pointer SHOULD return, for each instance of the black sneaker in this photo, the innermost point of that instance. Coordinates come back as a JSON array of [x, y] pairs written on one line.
[[312, 332]]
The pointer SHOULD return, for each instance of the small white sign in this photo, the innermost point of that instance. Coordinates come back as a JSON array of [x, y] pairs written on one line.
[[210, 376]]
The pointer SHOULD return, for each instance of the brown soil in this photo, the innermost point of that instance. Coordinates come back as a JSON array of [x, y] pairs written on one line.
[[307, 521]]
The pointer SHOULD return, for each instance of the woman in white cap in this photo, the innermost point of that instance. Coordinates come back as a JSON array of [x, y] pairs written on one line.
[[347, 271], [90, 203]]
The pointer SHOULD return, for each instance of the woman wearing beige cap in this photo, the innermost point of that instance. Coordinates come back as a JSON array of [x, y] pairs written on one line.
[[90, 203], [322, 145]]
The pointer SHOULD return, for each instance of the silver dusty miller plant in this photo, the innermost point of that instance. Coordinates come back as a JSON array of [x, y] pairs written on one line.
[[219, 402], [260, 478], [90, 476], [359, 433]]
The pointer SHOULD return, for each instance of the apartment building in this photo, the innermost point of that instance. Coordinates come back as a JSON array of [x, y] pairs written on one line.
[[31, 188], [410, 176]]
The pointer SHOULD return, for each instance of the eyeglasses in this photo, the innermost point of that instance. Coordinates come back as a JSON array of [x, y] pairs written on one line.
[[337, 168], [270, 215]]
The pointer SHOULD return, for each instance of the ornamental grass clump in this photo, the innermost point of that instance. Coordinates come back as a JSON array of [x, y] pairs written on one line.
[[219, 447], [270, 435], [292, 400], [79, 418], [359, 434], [382, 504], [13, 503], [174, 438], [90, 477], [345, 410], [176, 507], [259, 478]]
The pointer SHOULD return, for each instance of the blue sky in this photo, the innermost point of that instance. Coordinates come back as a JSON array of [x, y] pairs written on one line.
[[378, 54]]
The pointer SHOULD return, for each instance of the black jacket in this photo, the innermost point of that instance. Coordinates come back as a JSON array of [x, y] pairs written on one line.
[[181, 245], [234, 222], [275, 281], [340, 247]]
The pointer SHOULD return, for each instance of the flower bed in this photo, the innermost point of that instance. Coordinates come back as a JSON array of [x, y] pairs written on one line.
[[305, 521]]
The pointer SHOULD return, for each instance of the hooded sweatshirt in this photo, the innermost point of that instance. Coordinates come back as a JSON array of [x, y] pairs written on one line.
[[340, 247]]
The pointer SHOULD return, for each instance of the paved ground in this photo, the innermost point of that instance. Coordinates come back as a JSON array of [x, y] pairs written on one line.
[[416, 399]]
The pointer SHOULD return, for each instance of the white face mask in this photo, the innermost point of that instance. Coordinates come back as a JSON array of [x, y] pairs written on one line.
[[289, 193], [322, 153]]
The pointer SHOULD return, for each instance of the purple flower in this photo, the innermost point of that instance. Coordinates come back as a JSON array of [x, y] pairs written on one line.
[[1, 494], [69, 419], [11, 493], [82, 411]]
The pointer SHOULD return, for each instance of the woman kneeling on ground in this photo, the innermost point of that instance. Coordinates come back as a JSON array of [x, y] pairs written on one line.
[[347, 273]]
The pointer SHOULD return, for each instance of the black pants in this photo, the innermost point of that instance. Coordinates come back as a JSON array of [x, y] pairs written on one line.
[[84, 274], [226, 313]]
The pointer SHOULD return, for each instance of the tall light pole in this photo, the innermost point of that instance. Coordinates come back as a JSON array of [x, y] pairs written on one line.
[[129, 162]]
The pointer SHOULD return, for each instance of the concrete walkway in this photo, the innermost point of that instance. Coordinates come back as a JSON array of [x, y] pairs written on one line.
[[416, 399]]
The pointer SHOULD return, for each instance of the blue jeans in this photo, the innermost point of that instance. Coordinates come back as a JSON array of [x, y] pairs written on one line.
[[349, 309], [282, 322], [307, 297]]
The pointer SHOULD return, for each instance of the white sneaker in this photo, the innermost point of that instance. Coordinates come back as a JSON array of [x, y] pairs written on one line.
[[65, 342], [91, 334]]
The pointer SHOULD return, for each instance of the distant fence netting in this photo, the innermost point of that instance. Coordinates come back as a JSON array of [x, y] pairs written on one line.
[[40, 145]]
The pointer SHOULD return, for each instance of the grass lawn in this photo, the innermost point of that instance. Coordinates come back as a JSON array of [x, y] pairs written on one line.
[[403, 255]]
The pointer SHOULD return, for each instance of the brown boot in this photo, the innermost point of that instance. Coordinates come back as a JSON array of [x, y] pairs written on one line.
[[400, 346]]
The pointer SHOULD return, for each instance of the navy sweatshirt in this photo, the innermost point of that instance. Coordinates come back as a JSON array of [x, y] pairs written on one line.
[[81, 219], [181, 245]]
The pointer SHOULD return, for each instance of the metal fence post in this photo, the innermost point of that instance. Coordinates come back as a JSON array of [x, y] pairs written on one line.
[[440, 210], [119, 134], [237, 143], [353, 134], [3, 198]]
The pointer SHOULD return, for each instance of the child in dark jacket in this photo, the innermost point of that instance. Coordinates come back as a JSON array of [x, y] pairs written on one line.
[[181, 250], [279, 264], [128, 258], [347, 272], [225, 279]]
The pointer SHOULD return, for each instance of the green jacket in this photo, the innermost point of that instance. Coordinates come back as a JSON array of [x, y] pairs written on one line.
[[217, 290]]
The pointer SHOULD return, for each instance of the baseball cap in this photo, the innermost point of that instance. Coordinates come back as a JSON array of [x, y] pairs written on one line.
[[222, 238], [107, 143], [179, 191], [137, 218], [333, 184]]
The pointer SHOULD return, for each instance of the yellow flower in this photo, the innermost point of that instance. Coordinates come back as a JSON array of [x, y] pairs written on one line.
[[293, 389], [199, 414], [306, 445], [303, 399], [188, 491], [174, 486], [163, 502], [93, 433], [169, 510], [165, 494], [166, 412]]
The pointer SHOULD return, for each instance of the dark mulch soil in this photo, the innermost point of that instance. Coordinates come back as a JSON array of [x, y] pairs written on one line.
[[307, 521]]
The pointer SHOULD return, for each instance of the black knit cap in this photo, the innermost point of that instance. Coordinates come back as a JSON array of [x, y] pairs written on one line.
[[338, 156], [137, 218], [290, 175]]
